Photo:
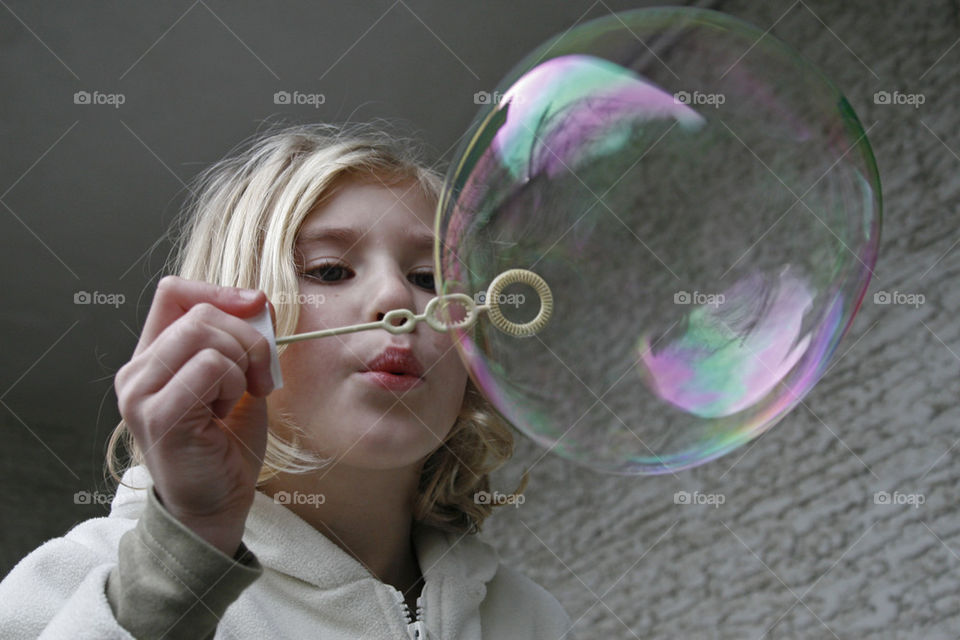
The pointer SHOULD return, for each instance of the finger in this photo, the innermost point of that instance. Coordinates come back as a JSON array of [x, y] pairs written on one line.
[[175, 296], [205, 326], [207, 378]]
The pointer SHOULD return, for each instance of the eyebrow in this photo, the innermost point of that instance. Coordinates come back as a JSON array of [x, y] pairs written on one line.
[[348, 237]]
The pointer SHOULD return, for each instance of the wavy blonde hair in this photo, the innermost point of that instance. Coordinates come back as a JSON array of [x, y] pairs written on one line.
[[239, 229]]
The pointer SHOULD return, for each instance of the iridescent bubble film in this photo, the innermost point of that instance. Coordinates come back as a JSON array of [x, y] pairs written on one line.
[[705, 208]]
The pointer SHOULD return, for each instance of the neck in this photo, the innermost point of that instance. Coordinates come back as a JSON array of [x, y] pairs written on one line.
[[367, 513]]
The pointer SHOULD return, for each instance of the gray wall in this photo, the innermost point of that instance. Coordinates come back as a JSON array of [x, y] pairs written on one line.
[[798, 549]]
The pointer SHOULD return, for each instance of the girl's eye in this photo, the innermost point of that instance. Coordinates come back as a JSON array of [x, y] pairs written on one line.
[[327, 272], [423, 279], [334, 272]]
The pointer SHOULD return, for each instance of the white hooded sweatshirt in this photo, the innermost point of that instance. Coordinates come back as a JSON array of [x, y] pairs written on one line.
[[287, 581]]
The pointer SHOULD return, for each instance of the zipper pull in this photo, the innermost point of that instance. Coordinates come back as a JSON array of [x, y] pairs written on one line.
[[417, 631]]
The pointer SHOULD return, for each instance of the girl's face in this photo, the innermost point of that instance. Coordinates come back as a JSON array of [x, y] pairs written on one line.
[[364, 252]]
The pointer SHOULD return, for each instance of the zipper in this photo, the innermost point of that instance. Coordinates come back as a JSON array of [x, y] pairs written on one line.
[[416, 629]]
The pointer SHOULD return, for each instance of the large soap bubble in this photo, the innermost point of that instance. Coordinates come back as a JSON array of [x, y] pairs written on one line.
[[705, 209]]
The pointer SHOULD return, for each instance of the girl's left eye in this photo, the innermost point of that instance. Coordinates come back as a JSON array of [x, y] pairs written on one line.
[[326, 272], [424, 279], [333, 272]]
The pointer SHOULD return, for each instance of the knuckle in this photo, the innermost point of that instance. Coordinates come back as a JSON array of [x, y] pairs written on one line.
[[166, 285], [203, 311], [189, 329], [120, 378], [147, 422], [125, 406], [235, 380], [210, 361], [131, 410], [126, 399]]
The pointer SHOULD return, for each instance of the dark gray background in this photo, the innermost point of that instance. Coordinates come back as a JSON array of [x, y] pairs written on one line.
[[798, 549]]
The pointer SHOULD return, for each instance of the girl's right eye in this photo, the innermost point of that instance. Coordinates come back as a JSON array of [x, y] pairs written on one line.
[[327, 272]]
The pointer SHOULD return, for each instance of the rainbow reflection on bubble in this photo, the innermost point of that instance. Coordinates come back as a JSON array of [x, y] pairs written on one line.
[[706, 209]]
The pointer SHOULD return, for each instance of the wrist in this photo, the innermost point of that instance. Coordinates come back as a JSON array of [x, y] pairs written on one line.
[[226, 538], [222, 531]]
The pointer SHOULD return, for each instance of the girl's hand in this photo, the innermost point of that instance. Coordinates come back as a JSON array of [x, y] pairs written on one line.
[[193, 395]]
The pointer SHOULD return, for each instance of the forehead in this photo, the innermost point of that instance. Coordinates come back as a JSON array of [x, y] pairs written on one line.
[[371, 208]]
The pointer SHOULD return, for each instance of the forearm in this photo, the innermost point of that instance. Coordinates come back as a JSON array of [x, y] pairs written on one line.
[[170, 582]]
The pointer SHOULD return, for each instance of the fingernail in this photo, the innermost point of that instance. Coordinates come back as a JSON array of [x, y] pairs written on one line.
[[248, 295]]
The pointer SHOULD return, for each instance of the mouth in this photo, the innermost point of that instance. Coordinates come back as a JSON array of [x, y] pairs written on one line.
[[395, 369], [396, 361], [392, 381]]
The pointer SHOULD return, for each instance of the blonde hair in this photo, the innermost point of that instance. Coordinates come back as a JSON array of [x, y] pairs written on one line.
[[239, 229]]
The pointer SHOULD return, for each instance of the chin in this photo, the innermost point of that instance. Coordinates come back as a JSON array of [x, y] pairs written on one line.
[[391, 444]]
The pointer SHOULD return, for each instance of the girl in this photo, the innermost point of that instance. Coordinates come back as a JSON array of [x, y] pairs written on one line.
[[339, 504]]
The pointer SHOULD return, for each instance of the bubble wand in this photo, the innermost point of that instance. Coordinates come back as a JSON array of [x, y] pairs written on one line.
[[429, 315]]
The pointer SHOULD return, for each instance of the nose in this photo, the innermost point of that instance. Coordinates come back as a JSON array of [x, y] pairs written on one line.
[[390, 291]]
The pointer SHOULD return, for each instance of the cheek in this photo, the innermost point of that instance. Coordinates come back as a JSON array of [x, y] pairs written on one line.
[[451, 371], [308, 371], [316, 357], [450, 362]]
